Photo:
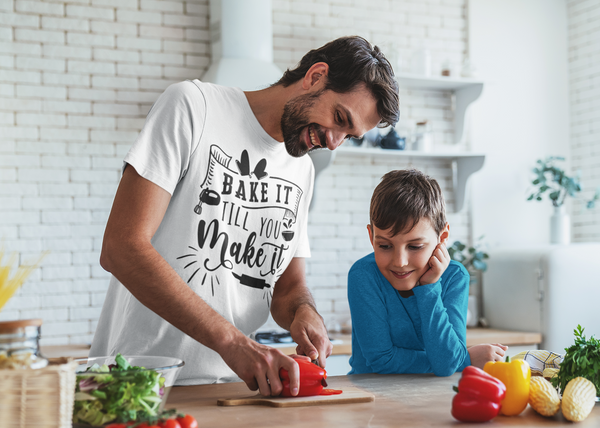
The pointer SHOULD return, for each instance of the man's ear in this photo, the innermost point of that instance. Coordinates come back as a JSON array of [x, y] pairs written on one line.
[[317, 73], [445, 233]]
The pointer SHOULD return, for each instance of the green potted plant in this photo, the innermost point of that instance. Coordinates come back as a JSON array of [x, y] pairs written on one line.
[[473, 258], [552, 180]]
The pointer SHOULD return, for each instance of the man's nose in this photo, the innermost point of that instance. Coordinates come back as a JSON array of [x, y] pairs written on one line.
[[335, 138]]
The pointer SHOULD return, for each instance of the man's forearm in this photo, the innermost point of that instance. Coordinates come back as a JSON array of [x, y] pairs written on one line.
[[284, 307]]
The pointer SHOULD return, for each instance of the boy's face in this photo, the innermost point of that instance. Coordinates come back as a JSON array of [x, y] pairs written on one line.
[[404, 258]]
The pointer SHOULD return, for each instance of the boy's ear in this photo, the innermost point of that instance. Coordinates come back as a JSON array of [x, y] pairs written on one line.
[[445, 233], [370, 229], [315, 74]]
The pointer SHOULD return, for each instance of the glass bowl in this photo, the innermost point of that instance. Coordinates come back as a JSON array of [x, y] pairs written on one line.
[[104, 394]]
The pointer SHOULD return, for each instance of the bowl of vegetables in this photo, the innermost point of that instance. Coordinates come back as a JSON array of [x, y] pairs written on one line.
[[122, 388]]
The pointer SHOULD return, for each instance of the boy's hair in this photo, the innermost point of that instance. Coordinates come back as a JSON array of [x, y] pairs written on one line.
[[353, 60], [403, 198]]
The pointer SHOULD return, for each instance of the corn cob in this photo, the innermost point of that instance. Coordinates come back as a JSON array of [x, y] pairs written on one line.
[[543, 397], [578, 400]]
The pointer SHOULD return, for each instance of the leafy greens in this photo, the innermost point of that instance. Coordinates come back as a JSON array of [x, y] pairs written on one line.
[[117, 393], [581, 359]]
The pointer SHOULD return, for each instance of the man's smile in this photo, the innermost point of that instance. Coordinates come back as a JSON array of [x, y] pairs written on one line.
[[313, 140]]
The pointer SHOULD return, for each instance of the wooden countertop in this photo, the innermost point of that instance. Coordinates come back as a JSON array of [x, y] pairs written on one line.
[[475, 336], [400, 400]]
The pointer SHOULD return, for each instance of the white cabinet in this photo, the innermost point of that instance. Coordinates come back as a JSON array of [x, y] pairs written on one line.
[[463, 163]]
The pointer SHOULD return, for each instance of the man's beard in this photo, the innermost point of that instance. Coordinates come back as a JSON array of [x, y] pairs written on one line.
[[295, 119]]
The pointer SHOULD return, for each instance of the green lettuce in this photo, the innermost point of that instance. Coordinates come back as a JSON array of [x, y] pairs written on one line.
[[125, 394]]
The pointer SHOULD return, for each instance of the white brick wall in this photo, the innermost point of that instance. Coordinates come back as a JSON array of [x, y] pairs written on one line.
[[76, 81], [584, 69]]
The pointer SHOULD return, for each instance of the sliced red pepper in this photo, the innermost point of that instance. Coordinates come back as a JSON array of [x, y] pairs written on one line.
[[479, 397], [328, 391], [312, 378]]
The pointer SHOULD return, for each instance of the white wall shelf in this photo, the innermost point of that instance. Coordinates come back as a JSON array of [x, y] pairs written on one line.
[[463, 163], [465, 90]]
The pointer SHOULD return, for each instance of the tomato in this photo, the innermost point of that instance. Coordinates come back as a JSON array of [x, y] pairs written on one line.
[[116, 426], [169, 423], [187, 421]]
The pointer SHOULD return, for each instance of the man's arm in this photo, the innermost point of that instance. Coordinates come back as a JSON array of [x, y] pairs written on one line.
[[127, 253], [293, 308]]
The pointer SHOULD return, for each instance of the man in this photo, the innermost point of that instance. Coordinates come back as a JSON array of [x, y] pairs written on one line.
[[208, 226]]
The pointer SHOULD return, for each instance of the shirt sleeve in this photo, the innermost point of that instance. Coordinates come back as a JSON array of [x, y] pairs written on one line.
[[444, 323], [171, 133], [372, 330]]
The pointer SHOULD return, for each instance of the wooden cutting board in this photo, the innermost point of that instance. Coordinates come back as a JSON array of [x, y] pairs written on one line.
[[350, 395]]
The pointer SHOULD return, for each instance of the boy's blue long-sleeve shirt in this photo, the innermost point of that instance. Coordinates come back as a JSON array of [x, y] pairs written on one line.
[[423, 333]]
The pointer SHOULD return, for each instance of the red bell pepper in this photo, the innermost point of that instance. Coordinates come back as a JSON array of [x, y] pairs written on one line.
[[479, 397], [312, 379]]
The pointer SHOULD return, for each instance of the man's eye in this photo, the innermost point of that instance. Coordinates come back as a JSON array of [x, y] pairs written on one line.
[[338, 117]]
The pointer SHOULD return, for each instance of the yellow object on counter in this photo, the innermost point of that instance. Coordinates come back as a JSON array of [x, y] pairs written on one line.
[[578, 400], [550, 373], [543, 397], [516, 376], [8, 286], [540, 360]]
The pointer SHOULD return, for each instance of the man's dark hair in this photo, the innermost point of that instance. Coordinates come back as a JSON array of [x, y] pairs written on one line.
[[403, 198], [353, 60]]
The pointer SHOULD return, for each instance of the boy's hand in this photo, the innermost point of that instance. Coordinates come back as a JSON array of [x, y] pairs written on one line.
[[438, 263], [481, 354]]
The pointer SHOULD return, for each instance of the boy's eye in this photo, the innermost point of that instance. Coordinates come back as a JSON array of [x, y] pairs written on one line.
[[385, 247], [415, 247]]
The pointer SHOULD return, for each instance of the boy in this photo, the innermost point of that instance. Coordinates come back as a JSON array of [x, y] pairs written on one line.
[[408, 300]]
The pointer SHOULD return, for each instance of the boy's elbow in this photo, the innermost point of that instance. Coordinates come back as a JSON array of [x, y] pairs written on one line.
[[448, 367], [444, 372]]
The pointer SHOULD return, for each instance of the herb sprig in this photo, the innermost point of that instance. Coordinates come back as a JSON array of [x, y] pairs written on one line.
[[581, 359]]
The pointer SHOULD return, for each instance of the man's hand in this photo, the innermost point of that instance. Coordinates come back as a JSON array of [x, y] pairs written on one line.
[[309, 332], [438, 263], [481, 354], [258, 366]]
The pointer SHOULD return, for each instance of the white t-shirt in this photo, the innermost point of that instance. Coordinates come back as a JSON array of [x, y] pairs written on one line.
[[237, 216]]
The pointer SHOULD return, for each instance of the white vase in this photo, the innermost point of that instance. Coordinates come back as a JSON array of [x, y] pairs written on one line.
[[560, 226]]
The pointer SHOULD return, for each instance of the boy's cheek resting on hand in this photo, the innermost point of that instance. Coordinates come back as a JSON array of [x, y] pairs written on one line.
[[438, 263]]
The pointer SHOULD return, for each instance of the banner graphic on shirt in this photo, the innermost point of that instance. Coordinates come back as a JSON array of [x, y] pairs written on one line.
[[247, 219]]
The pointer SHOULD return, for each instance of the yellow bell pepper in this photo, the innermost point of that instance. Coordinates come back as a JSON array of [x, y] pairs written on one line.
[[516, 376]]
